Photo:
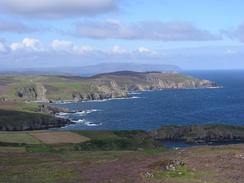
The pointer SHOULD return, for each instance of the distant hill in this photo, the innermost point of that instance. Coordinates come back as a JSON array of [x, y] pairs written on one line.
[[92, 69], [106, 68]]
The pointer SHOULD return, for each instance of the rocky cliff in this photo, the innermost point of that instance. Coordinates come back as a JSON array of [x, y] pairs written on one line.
[[103, 86], [119, 84]]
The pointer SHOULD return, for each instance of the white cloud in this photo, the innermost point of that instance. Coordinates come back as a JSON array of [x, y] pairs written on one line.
[[82, 49], [118, 50], [32, 52], [3, 47], [157, 31], [145, 50], [57, 8], [61, 45], [31, 45], [28, 44], [67, 46]]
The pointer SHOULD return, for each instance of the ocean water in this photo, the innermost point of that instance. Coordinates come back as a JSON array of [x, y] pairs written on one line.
[[150, 110]]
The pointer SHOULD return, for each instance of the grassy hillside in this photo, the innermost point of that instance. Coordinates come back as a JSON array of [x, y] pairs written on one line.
[[19, 120], [25, 157], [111, 85], [53, 87], [20, 115]]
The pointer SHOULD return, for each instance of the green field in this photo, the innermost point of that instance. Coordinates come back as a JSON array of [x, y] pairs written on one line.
[[80, 141], [17, 138], [41, 137]]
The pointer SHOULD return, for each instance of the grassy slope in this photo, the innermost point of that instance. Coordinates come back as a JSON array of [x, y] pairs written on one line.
[[20, 106], [15, 111], [92, 140], [17, 138], [22, 120], [58, 87], [62, 87], [66, 163]]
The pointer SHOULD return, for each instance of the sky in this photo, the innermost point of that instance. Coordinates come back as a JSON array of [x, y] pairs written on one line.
[[204, 34]]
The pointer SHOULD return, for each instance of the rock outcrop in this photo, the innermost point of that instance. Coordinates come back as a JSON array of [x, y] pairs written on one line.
[[50, 109], [120, 84], [27, 93]]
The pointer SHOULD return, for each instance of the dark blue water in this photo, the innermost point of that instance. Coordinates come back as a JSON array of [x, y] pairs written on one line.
[[153, 109]]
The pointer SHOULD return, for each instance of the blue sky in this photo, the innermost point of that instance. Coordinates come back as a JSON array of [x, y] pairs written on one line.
[[206, 34]]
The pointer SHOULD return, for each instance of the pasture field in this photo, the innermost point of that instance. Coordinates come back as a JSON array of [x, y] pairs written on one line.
[[41, 137], [47, 137], [18, 138]]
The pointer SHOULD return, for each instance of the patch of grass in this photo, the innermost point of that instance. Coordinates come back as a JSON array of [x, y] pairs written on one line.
[[39, 148], [20, 159], [180, 174], [52, 137], [116, 140], [19, 121], [106, 145], [87, 156], [50, 141], [63, 89], [155, 151], [20, 106], [12, 149], [17, 138], [32, 107], [99, 135], [40, 173]]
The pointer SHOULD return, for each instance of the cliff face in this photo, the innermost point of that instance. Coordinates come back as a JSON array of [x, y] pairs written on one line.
[[27, 93], [119, 84], [130, 81], [103, 86]]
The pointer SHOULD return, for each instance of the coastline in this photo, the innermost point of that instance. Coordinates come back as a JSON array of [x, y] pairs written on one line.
[[132, 95]]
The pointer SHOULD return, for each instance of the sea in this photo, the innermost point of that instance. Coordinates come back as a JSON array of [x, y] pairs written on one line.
[[151, 109]]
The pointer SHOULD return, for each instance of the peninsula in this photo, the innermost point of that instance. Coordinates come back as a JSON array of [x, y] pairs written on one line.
[[48, 88]]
